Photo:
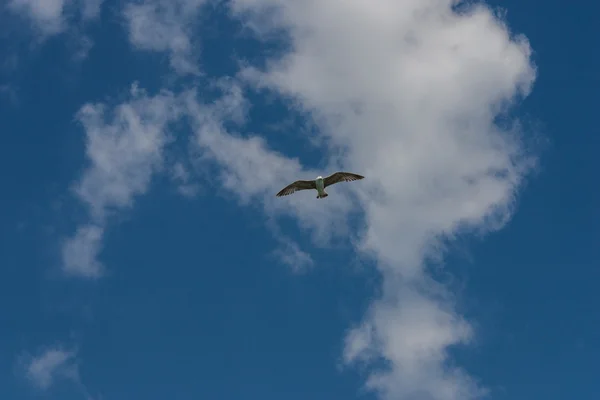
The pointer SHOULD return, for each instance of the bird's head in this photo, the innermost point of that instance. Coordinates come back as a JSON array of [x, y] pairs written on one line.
[[319, 177]]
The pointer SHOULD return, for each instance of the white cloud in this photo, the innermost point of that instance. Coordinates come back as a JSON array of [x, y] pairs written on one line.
[[90, 9], [409, 90], [290, 254], [52, 364], [248, 168], [84, 45], [165, 25], [80, 252], [182, 178], [46, 14], [9, 93], [50, 17], [125, 148]]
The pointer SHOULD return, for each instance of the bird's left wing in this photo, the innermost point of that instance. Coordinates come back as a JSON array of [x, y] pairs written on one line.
[[298, 185], [341, 177]]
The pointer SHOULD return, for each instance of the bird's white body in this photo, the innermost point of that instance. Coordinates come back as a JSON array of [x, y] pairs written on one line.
[[320, 187]]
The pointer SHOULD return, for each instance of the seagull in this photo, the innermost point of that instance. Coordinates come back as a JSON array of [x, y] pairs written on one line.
[[319, 184]]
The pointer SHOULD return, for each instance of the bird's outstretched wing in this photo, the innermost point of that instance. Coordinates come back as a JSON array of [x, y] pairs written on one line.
[[341, 177], [298, 185]]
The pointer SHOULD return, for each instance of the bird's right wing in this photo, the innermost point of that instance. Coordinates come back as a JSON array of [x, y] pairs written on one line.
[[341, 177], [298, 185]]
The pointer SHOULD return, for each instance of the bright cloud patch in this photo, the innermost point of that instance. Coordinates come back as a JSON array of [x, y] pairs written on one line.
[[293, 256], [165, 25], [46, 14], [124, 148], [52, 364], [80, 252], [409, 90], [49, 17], [249, 169]]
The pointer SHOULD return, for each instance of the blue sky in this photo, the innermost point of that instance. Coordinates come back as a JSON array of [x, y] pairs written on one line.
[[144, 254]]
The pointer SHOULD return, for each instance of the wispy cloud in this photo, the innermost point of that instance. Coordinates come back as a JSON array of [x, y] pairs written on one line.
[[80, 252], [46, 15], [289, 253], [9, 94], [50, 17], [84, 45], [90, 9], [125, 148], [166, 25], [182, 177], [248, 168], [50, 365]]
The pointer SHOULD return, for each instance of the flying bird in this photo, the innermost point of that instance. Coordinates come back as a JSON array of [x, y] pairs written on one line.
[[319, 184]]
